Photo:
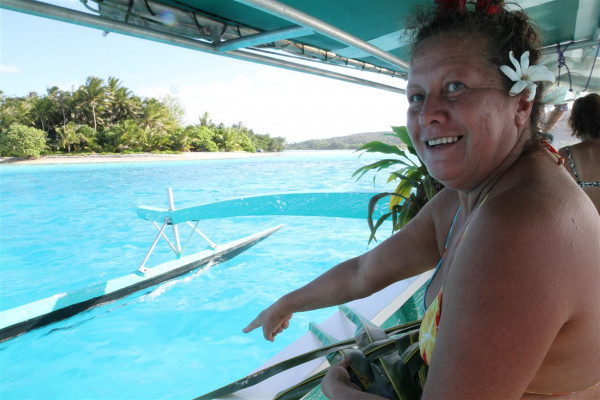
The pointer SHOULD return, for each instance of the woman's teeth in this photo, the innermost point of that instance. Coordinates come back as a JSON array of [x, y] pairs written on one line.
[[445, 140]]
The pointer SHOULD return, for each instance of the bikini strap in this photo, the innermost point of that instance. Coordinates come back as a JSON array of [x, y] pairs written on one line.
[[437, 268], [572, 164], [439, 264]]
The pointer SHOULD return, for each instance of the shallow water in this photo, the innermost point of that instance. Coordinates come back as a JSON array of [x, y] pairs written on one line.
[[64, 227]]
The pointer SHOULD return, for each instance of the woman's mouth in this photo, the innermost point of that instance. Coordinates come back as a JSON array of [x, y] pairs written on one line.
[[442, 141]]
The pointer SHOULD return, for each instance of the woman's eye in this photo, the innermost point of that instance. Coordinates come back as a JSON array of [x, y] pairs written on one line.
[[453, 87], [413, 98]]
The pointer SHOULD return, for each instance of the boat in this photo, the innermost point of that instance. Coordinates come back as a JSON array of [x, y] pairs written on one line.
[[354, 41]]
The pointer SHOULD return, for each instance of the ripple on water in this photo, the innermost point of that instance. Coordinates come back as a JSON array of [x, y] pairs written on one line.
[[179, 339]]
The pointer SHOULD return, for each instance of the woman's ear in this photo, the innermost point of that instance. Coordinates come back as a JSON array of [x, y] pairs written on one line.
[[523, 110]]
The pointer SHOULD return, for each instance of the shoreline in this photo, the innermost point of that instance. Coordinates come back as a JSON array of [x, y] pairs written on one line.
[[138, 157]]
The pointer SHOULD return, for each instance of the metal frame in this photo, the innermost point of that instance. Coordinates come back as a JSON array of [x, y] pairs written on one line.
[[262, 38], [177, 248], [293, 15], [205, 34], [41, 9]]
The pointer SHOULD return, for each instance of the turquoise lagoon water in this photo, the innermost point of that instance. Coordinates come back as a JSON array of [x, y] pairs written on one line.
[[64, 227]]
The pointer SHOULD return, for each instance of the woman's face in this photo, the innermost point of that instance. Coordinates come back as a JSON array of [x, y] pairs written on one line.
[[460, 118]]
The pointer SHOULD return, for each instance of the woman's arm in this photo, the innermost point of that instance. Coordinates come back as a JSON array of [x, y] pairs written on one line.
[[411, 251]]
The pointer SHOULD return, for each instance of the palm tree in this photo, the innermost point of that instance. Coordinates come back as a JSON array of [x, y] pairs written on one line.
[[15, 110], [124, 105], [65, 105], [45, 110], [67, 136], [93, 95]]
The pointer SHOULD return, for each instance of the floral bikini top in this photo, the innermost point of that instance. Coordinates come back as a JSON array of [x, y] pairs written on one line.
[[431, 318], [576, 174]]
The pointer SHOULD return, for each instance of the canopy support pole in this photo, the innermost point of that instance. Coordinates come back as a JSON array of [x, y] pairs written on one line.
[[263, 37], [63, 14], [294, 15]]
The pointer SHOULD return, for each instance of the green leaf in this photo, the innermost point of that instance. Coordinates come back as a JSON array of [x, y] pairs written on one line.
[[374, 228], [299, 390], [406, 215], [402, 133], [361, 323], [325, 340], [380, 147], [371, 206], [430, 190], [412, 177], [377, 165]]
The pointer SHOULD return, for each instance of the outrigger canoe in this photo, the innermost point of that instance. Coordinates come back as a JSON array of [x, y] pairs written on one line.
[[19, 320], [22, 319]]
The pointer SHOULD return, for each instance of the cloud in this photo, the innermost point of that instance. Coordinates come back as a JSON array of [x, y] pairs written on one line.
[[295, 106], [282, 103], [10, 69]]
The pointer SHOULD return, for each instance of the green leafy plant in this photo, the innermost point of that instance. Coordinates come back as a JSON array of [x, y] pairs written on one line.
[[22, 141], [415, 186]]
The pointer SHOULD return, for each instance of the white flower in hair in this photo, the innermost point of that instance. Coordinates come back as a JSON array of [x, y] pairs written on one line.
[[525, 76]]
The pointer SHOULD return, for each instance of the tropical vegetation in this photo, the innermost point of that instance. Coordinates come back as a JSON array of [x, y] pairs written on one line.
[[414, 185], [106, 117], [23, 141]]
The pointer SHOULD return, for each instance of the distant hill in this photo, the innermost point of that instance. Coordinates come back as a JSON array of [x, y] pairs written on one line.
[[349, 142], [561, 133]]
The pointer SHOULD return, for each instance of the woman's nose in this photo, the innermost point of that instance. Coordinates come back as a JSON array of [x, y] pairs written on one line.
[[433, 112]]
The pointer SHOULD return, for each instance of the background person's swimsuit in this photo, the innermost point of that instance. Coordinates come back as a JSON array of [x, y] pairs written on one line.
[[576, 174]]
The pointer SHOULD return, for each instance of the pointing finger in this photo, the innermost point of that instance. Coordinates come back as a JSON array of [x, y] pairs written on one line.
[[252, 326]]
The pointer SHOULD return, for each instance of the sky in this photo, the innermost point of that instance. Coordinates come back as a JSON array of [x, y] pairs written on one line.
[[38, 53]]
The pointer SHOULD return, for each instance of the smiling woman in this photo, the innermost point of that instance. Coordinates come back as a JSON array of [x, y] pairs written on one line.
[[520, 315]]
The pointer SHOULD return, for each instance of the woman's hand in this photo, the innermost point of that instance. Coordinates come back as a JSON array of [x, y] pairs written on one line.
[[272, 320], [337, 384], [337, 381]]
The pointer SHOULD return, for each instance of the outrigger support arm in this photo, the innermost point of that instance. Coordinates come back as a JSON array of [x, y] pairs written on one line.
[[210, 242], [142, 267], [177, 248], [175, 229], [165, 236]]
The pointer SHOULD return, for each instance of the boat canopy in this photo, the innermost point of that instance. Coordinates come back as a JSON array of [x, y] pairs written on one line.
[[311, 35]]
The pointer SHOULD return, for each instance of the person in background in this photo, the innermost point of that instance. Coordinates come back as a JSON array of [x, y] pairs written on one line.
[[583, 159], [555, 115], [513, 242]]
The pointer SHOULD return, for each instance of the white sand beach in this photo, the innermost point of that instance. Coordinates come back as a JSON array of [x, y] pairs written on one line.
[[142, 157]]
